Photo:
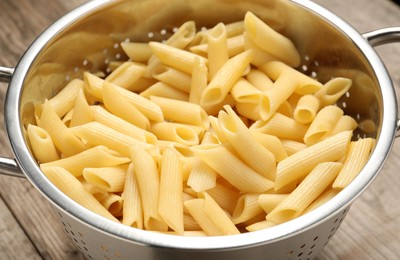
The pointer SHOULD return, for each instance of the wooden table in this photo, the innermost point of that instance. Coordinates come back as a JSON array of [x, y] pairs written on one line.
[[30, 230]]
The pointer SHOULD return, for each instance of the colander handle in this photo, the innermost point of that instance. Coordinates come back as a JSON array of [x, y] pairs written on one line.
[[8, 166], [381, 37]]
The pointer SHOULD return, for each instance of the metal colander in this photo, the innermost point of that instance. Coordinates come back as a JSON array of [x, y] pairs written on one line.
[[88, 39]]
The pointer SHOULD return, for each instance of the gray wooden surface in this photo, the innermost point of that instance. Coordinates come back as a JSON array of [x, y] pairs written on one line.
[[30, 230]]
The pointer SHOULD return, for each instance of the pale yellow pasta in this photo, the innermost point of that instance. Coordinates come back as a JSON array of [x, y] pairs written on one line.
[[231, 168], [322, 199], [132, 213], [272, 143], [98, 134], [282, 127], [176, 58], [85, 113], [247, 208], [258, 79], [260, 57], [72, 187], [182, 112], [244, 92], [218, 216], [199, 80], [117, 104], [345, 123], [235, 45], [333, 90], [356, 157], [67, 118], [218, 53], [225, 197], [98, 193], [201, 177], [225, 78], [98, 156], [93, 85], [170, 205], [65, 99], [173, 78], [190, 223], [278, 45], [292, 147], [110, 179], [161, 89], [323, 124], [305, 84], [102, 116], [183, 36], [175, 132], [269, 201], [142, 84], [41, 144], [66, 142], [196, 208], [299, 164], [148, 180], [137, 51], [306, 109], [114, 204], [251, 111], [126, 75], [245, 144], [308, 190], [260, 225]]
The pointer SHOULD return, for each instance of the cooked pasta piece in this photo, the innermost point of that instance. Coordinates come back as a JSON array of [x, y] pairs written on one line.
[[293, 147], [244, 92], [225, 196], [98, 193], [196, 208], [322, 199], [172, 77], [113, 203], [307, 191], [132, 213], [42, 145], [333, 90], [260, 225], [345, 123], [271, 143], [269, 201], [299, 164], [258, 79], [110, 179], [183, 36], [74, 189], [306, 109], [65, 99], [161, 89], [180, 133], [85, 113], [218, 53], [235, 46], [247, 208], [137, 51], [126, 75]]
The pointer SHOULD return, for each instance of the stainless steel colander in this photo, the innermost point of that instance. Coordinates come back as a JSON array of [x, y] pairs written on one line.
[[88, 39]]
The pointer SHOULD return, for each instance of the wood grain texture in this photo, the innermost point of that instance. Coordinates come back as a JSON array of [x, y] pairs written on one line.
[[29, 228]]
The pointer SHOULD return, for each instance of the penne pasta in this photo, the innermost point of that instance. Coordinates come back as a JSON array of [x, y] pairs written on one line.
[[65, 99], [306, 109], [180, 133], [218, 53], [173, 78], [110, 179], [196, 208], [322, 199], [334, 89], [85, 114], [113, 203], [132, 213], [258, 79], [126, 75], [199, 81], [137, 51], [246, 208], [269, 201], [41, 144]]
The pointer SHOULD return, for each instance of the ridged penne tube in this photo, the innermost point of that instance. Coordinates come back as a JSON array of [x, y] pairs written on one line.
[[273, 144], [226, 77], [307, 191], [173, 78], [201, 177], [199, 80], [114, 204], [292, 147], [260, 56], [137, 51], [183, 36], [299, 164], [322, 124], [218, 216], [42, 145], [269, 201], [225, 197], [334, 89], [247, 208], [98, 156], [278, 45], [244, 92], [176, 58], [282, 127], [190, 223], [117, 104], [233, 169], [197, 211], [245, 144], [322, 199], [259, 80], [132, 213], [251, 111], [102, 116], [356, 157], [93, 85], [66, 142], [260, 225], [127, 74], [345, 123], [98, 134], [74, 189], [305, 84], [218, 53], [65, 99], [142, 84], [175, 132], [148, 180], [182, 112], [215, 108], [170, 205], [67, 118], [306, 109], [98, 193], [85, 114], [110, 179], [235, 46], [161, 89]]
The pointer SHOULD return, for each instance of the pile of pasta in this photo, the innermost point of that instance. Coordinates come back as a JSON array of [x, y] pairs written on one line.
[[211, 132]]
